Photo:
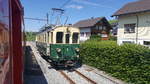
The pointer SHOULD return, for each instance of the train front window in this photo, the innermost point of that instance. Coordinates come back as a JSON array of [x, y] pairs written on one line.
[[75, 37], [67, 38], [59, 37]]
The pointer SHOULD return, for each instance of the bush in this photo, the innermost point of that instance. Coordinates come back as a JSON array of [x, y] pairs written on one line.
[[113, 38], [95, 38], [30, 36], [128, 62]]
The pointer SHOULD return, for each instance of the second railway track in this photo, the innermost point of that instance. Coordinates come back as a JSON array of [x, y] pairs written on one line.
[[72, 81], [85, 77], [68, 78]]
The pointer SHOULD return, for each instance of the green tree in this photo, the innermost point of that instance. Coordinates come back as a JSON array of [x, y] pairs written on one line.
[[112, 21], [30, 36]]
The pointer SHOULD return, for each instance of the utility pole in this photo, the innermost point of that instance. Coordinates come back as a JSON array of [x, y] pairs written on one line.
[[47, 16], [137, 28]]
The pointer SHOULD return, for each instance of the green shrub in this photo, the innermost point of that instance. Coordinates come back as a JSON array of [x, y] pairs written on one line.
[[95, 38], [113, 38], [128, 62], [30, 36]]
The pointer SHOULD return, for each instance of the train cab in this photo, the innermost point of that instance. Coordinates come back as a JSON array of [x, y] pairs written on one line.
[[61, 44]]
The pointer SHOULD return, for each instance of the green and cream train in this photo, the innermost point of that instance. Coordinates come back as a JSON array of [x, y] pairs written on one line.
[[60, 44]]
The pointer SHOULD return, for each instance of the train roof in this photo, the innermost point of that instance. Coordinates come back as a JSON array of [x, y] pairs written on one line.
[[50, 28]]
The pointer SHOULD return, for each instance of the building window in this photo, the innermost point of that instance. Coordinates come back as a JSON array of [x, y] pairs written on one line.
[[104, 28], [82, 34], [87, 34], [104, 35], [100, 28], [129, 28], [127, 41], [146, 42], [97, 27]]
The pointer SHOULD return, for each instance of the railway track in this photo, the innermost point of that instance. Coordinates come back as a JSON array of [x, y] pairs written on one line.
[[68, 78], [85, 77], [71, 81]]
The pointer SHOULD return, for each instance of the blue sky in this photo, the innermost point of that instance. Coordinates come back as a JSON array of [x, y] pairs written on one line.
[[76, 10]]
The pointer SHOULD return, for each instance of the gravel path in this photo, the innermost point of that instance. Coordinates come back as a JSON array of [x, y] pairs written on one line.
[[55, 77]]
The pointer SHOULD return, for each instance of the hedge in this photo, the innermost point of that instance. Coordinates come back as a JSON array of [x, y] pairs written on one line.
[[95, 38], [128, 62]]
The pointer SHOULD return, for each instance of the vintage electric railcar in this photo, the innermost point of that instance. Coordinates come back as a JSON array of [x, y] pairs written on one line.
[[60, 44], [11, 50]]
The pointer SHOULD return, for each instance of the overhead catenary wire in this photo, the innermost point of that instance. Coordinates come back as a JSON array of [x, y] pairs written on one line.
[[39, 19], [60, 10], [62, 6], [47, 19]]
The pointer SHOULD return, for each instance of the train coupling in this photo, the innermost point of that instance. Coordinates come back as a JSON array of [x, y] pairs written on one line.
[[69, 63]]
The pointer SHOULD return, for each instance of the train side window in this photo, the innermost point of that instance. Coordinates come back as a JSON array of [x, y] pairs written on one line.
[[67, 38], [48, 37], [59, 37], [75, 37], [45, 37], [51, 37]]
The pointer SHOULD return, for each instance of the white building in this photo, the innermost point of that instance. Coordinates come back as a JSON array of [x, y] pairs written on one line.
[[134, 23], [85, 34]]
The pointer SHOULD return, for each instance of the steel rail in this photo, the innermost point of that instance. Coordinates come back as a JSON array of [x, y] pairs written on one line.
[[68, 78], [88, 79]]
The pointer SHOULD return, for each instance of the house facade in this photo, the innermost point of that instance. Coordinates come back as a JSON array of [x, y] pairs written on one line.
[[134, 23], [93, 26]]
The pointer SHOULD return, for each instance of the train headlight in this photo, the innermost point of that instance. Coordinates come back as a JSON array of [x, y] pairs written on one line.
[[58, 49], [77, 49], [57, 57], [77, 56]]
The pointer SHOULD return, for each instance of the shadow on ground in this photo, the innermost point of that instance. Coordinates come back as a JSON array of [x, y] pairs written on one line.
[[32, 72]]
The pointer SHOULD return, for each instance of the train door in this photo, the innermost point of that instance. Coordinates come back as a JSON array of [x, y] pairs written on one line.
[[67, 37]]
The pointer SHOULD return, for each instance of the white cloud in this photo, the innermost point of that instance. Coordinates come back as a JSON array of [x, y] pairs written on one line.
[[87, 2], [75, 6]]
